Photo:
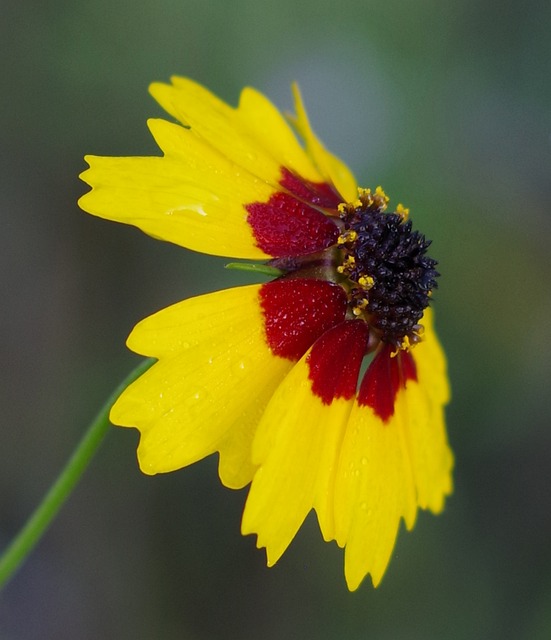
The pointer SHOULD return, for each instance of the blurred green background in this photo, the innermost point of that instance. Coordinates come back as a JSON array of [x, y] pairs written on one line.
[[446, 104]]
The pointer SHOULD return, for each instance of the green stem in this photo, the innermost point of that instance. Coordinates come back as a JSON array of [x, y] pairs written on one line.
[[37, 524]]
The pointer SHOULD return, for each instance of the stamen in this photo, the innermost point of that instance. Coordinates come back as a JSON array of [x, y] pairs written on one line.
[[347, 236], [366, 282], [402, 211]]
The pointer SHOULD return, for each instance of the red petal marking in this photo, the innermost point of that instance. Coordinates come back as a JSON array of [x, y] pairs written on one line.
[[321, 194], [383, 379], [285, 226], [297, 312], [335, 360], [409, 370]]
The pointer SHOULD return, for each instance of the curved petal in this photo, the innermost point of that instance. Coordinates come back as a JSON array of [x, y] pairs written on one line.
[[232, 182], [214, 377], [421, 404], [295, 448], [192, 196], [196, 197], [254, 136], [392, 461], [298, 439], [331, 168], [373, 489], [235, 466]]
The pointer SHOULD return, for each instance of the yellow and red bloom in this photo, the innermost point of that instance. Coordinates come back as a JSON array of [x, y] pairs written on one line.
[[270, 376]]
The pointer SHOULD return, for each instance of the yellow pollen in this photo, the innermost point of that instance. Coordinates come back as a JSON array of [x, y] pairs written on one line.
[[365, 198], [408, 343], [402, 211], [347, 236], [380, 198], [366, 282], [405, 345]]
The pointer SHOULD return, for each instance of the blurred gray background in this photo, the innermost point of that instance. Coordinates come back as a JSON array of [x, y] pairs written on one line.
[[447, 105]]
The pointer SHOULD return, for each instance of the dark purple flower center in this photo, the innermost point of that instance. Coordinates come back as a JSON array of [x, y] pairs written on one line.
[[387, 273]]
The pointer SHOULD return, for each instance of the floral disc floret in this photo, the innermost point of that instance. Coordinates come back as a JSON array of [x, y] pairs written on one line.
[[388, 274]]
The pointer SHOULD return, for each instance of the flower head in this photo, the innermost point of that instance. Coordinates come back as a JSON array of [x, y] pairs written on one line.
[[308, 386]]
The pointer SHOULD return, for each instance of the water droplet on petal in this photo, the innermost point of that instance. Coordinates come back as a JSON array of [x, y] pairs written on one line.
[[239, 368], [195, 403]]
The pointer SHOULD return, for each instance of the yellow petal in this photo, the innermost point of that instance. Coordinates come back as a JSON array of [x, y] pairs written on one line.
[[295, 448], [211, 384], [272, 131], [235, 466], [254, 136], [373, 490], [193, 196], [422, 406], [331, 168], [222, 161]]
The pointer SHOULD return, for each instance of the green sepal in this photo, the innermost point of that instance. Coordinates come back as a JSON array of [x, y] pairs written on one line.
[[255, 268]]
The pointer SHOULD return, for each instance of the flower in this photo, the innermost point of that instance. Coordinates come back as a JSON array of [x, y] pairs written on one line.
[[270, 376]]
